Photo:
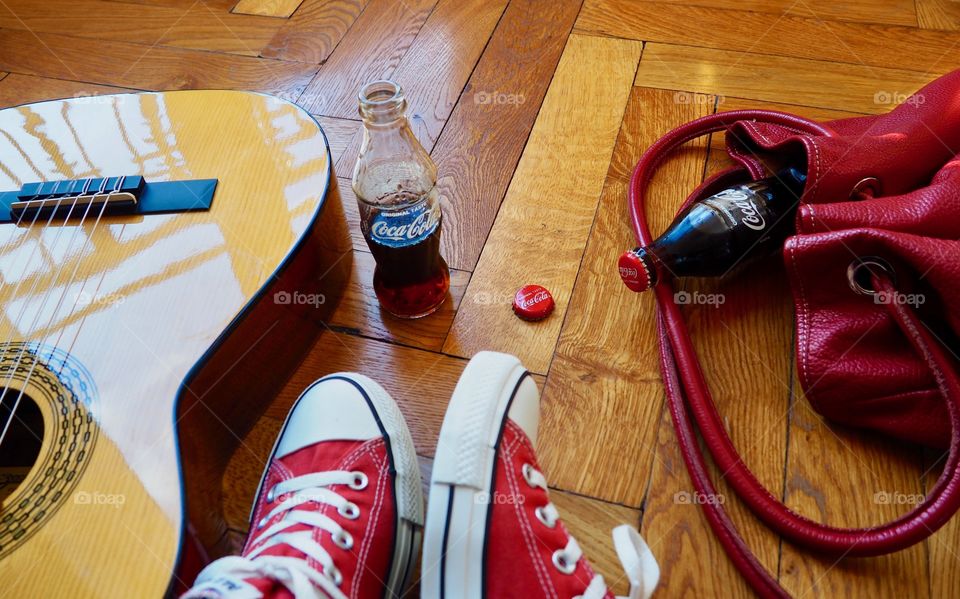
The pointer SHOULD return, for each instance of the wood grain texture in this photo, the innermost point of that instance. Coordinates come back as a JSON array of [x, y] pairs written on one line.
[[340, 134], [140, 67], [930, 52], [942, 546], [845, 478], [482, 141], [204, 28], [314, 30], [267, 8], [675, 529], [603, 396], [938, 14], [890, 12], [435, 69], [421, 382], [359, 312], [804, 82], [198, 25], [371, 50], [21, 89], [549, 208]]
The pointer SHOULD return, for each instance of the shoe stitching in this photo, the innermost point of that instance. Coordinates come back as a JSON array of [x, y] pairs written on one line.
[[529, 535], [369, 534]]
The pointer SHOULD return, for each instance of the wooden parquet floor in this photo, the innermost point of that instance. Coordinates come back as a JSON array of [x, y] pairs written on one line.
[[535, 112]]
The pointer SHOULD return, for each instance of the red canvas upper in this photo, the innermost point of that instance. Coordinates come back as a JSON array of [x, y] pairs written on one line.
[[520, 547], [365, 566]]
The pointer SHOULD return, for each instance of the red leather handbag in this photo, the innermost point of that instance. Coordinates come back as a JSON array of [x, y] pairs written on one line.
[[878, 221]]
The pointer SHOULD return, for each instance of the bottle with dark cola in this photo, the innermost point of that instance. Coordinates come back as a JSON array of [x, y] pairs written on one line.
[[395, 184], [718, 234]]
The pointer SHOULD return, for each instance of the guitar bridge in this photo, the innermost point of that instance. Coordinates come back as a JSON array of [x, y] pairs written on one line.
[[77, 198]]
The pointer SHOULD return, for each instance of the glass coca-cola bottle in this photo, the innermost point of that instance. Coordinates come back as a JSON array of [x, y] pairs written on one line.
[[719, 233], [395, 184]]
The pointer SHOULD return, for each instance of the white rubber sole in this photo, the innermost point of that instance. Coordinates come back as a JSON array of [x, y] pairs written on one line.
[[407, 482], [460, 485]]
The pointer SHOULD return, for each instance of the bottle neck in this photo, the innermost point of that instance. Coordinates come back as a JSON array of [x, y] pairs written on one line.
[[382, 105]]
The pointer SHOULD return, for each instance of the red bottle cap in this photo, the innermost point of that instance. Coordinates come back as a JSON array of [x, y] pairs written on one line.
[[634, 271], [533, 302]]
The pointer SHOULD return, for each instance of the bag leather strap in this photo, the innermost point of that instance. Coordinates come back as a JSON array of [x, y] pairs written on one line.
[[688, 394]]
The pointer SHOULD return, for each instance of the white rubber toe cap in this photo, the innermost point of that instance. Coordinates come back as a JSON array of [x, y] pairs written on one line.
[[331, 409]]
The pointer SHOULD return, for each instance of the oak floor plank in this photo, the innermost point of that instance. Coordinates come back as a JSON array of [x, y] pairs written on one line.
[[479, 148], [21, 89], [204, 28], [157, 68], [545, 218], [889, 12], [942, 546], [938, 14], [420, 381], [359, 312], [340, 134], [436, 68], [805, 82], [930, 52], [313, 32], [603, 395], [692, 562], [197, 26], [847, 478], [267, 8], [372, 49]]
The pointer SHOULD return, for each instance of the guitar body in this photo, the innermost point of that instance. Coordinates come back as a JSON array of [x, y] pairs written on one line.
[[149, 344]]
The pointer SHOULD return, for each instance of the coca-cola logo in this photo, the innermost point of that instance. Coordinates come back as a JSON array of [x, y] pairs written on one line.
[[533, 299], [627, 272], [749, 215], [413, 230]]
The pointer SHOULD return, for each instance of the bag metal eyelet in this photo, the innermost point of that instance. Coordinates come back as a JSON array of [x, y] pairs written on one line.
[[860, 270], [868, 187]]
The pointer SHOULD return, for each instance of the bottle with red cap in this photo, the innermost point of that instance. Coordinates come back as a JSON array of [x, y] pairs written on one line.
[[720, 233]]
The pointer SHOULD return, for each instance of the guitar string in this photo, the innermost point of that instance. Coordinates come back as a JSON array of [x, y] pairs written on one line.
[[66, 290], [56, 310], [23, 275]]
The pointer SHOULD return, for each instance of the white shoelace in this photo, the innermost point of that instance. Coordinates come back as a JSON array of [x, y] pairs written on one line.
[[295, 573], [638, 562]]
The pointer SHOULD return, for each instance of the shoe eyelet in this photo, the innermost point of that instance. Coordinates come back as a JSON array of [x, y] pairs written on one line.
[[359, 481], [527, 471], [335, 576], [542, 517], [562, 563], [350, 511], [263, 522], [343, 540], [271, 494]]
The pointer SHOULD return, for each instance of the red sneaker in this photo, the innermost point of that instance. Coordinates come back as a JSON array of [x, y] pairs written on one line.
[[491, 529], [339, 511]]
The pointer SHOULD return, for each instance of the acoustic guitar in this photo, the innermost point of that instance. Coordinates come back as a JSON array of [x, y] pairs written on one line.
[[166, 259]]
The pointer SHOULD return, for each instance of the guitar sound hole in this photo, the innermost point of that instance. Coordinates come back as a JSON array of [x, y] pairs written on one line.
[[21, 445]]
